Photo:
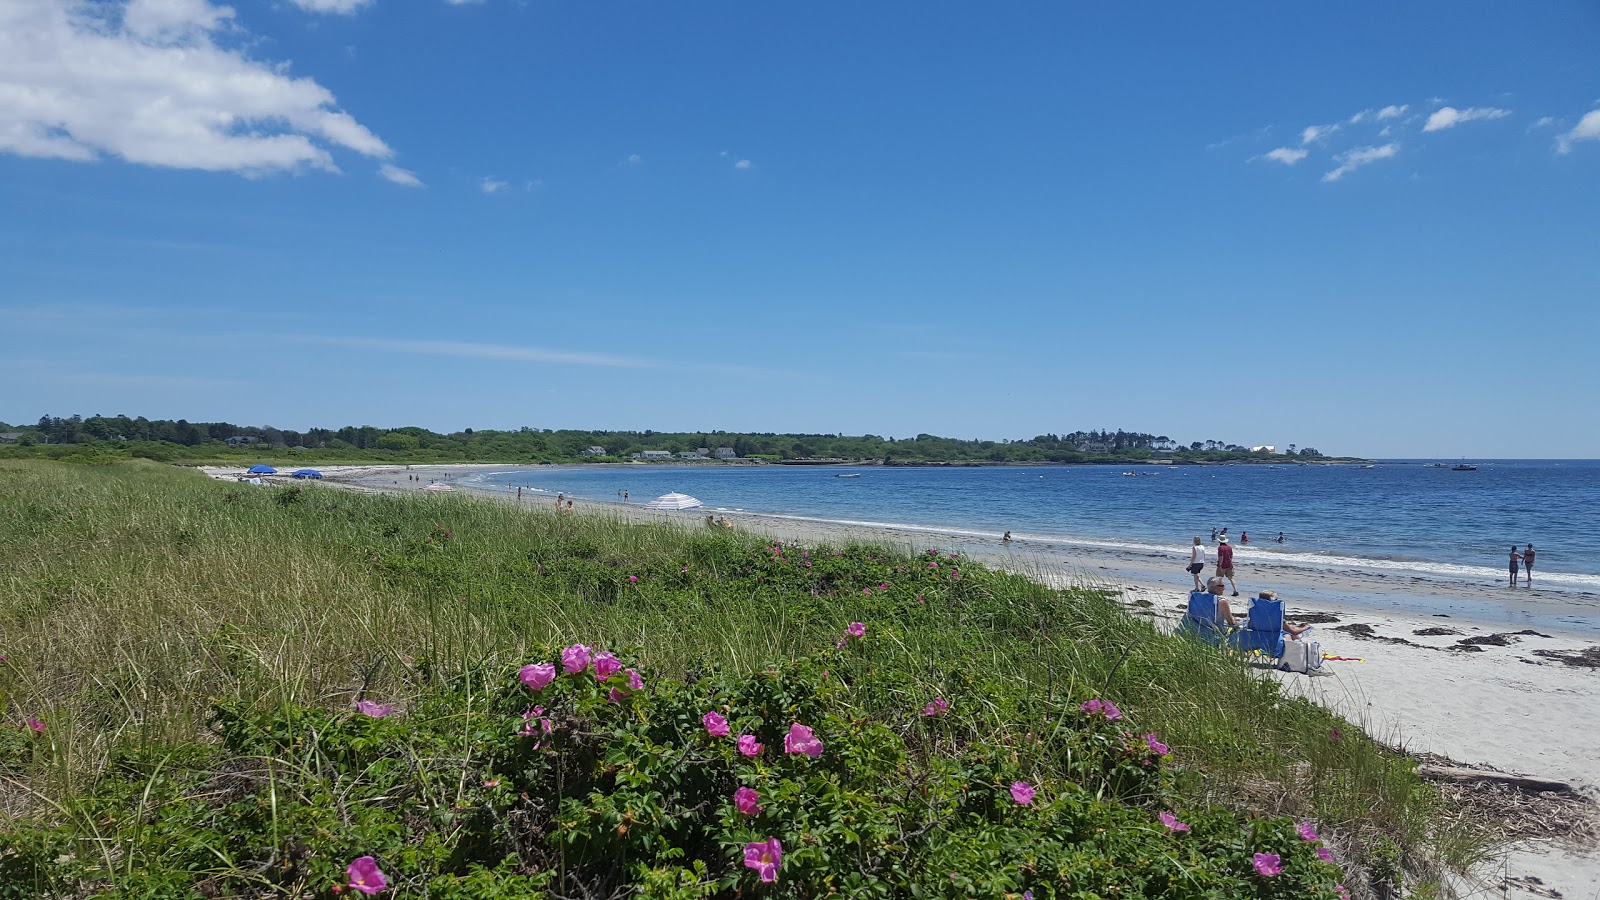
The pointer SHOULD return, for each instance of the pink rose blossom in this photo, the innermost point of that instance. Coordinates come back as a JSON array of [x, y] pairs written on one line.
[[575, 658], [801, 740], [365, 876], [537, 676], [633, 579], [35, 725], [866, 591], [1343, 891], [747, 801], [376, 711], [936, 707], [856, 629], [1022, 792], [1324, 854], [933, 565], [883, 587], [605, 666], [635, 681], [1267, 864], [748, 745], [1172, 823], [765, 857], [1155, 746], [615, 695], [1307, 831], [716, 726]]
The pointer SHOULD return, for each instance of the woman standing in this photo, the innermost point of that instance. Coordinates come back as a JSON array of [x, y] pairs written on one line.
[[1516, 563], [1197, 562]]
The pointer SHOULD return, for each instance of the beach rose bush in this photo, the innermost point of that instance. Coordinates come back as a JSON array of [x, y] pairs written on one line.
[[551, 772]]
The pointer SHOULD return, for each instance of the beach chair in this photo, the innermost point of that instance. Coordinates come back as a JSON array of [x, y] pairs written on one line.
[[1264, 631], [1201, 620]]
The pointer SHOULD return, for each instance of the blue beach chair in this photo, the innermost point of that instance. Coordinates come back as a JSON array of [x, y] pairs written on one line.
[[1201, 619], [1264, 632]]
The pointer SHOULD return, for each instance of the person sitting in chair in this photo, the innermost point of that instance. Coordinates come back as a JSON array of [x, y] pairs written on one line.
[[1215, 587], [1293, 631]]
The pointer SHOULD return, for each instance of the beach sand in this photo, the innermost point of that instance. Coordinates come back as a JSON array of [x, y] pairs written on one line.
[[1512, 705]]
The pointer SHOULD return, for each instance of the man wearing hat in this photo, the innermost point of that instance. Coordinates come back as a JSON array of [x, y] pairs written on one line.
[[1225, 563]]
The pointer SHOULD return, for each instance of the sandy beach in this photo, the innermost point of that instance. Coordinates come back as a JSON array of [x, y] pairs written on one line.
[[1476, 676]]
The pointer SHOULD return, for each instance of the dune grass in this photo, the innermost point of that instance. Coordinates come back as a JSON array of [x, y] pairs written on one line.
[[135, 598]]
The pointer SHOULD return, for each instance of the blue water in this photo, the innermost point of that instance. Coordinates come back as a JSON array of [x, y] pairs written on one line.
[[1396, 515]]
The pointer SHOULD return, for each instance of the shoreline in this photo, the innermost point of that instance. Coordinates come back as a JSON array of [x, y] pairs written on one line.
[[1439, 668]]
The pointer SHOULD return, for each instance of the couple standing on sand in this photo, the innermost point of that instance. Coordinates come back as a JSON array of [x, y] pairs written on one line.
[[1197, 562], [1526, 558]]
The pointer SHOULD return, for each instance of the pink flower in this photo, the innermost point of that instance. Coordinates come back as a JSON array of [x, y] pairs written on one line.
[[1343, 892], [765, 857], [685, 570], [1155, 746], [933, 565], [935, 707], [376, 711], [952, 556], [748, 745], [716, 726], [615, 695], [1022, 792], [1324, 854], [635, 682], [1172, 823], [1267, 864], [856, 629], [883, 587], [1307, 831], [36, 725], [801, 740], [633, 579], [920, 600], [805, 554], [808, 565], [605, 666], [840, 645], [746, 801], [537, 676], [575, 658], [866, 591], [365, 876]]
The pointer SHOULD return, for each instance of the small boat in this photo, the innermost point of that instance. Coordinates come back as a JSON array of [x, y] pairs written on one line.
[[1464, 468], [848, 475]]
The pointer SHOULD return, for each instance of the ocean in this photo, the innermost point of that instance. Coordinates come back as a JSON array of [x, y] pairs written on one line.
[[1397, 516]]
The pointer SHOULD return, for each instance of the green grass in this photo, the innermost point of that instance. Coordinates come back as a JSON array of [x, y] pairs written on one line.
[[135, 598]]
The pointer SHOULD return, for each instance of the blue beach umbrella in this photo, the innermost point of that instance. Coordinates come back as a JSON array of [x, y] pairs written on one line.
[[306, 473], [263, 470]]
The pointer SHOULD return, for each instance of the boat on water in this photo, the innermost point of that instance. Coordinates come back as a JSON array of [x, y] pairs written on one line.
[[1463, 468], [848, 475]]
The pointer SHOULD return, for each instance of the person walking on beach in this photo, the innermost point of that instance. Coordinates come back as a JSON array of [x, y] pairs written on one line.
[[1225, 563], [1527, 564], [1197, 561], [1516, 563]]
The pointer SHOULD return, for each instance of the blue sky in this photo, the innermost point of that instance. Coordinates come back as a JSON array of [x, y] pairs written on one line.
[[1366, 227]]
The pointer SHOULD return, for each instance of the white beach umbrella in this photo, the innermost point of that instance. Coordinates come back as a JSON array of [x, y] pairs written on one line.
[[673, 501], [438, 486]]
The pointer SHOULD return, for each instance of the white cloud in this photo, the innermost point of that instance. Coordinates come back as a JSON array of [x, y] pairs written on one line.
[[491, 186], [1392, 112], [1286, 155], [1360, 117], [337, 7], [471, 350], [1587, 129], [1449, 116], [634, 159], [146, 81], [1544, 121], [399, 176], [1316, 133], [742, 164], [1351, 160]]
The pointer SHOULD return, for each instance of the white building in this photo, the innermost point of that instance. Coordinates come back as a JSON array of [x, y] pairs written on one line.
[[593, 451], [725, 453]]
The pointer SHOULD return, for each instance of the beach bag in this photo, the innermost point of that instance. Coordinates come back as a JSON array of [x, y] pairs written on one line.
[[1304, 657]]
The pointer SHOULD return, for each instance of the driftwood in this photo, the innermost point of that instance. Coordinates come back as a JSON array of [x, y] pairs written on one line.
[[1520, 782]]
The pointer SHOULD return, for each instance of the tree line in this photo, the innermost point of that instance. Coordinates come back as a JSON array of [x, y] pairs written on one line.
[[180, 439]]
